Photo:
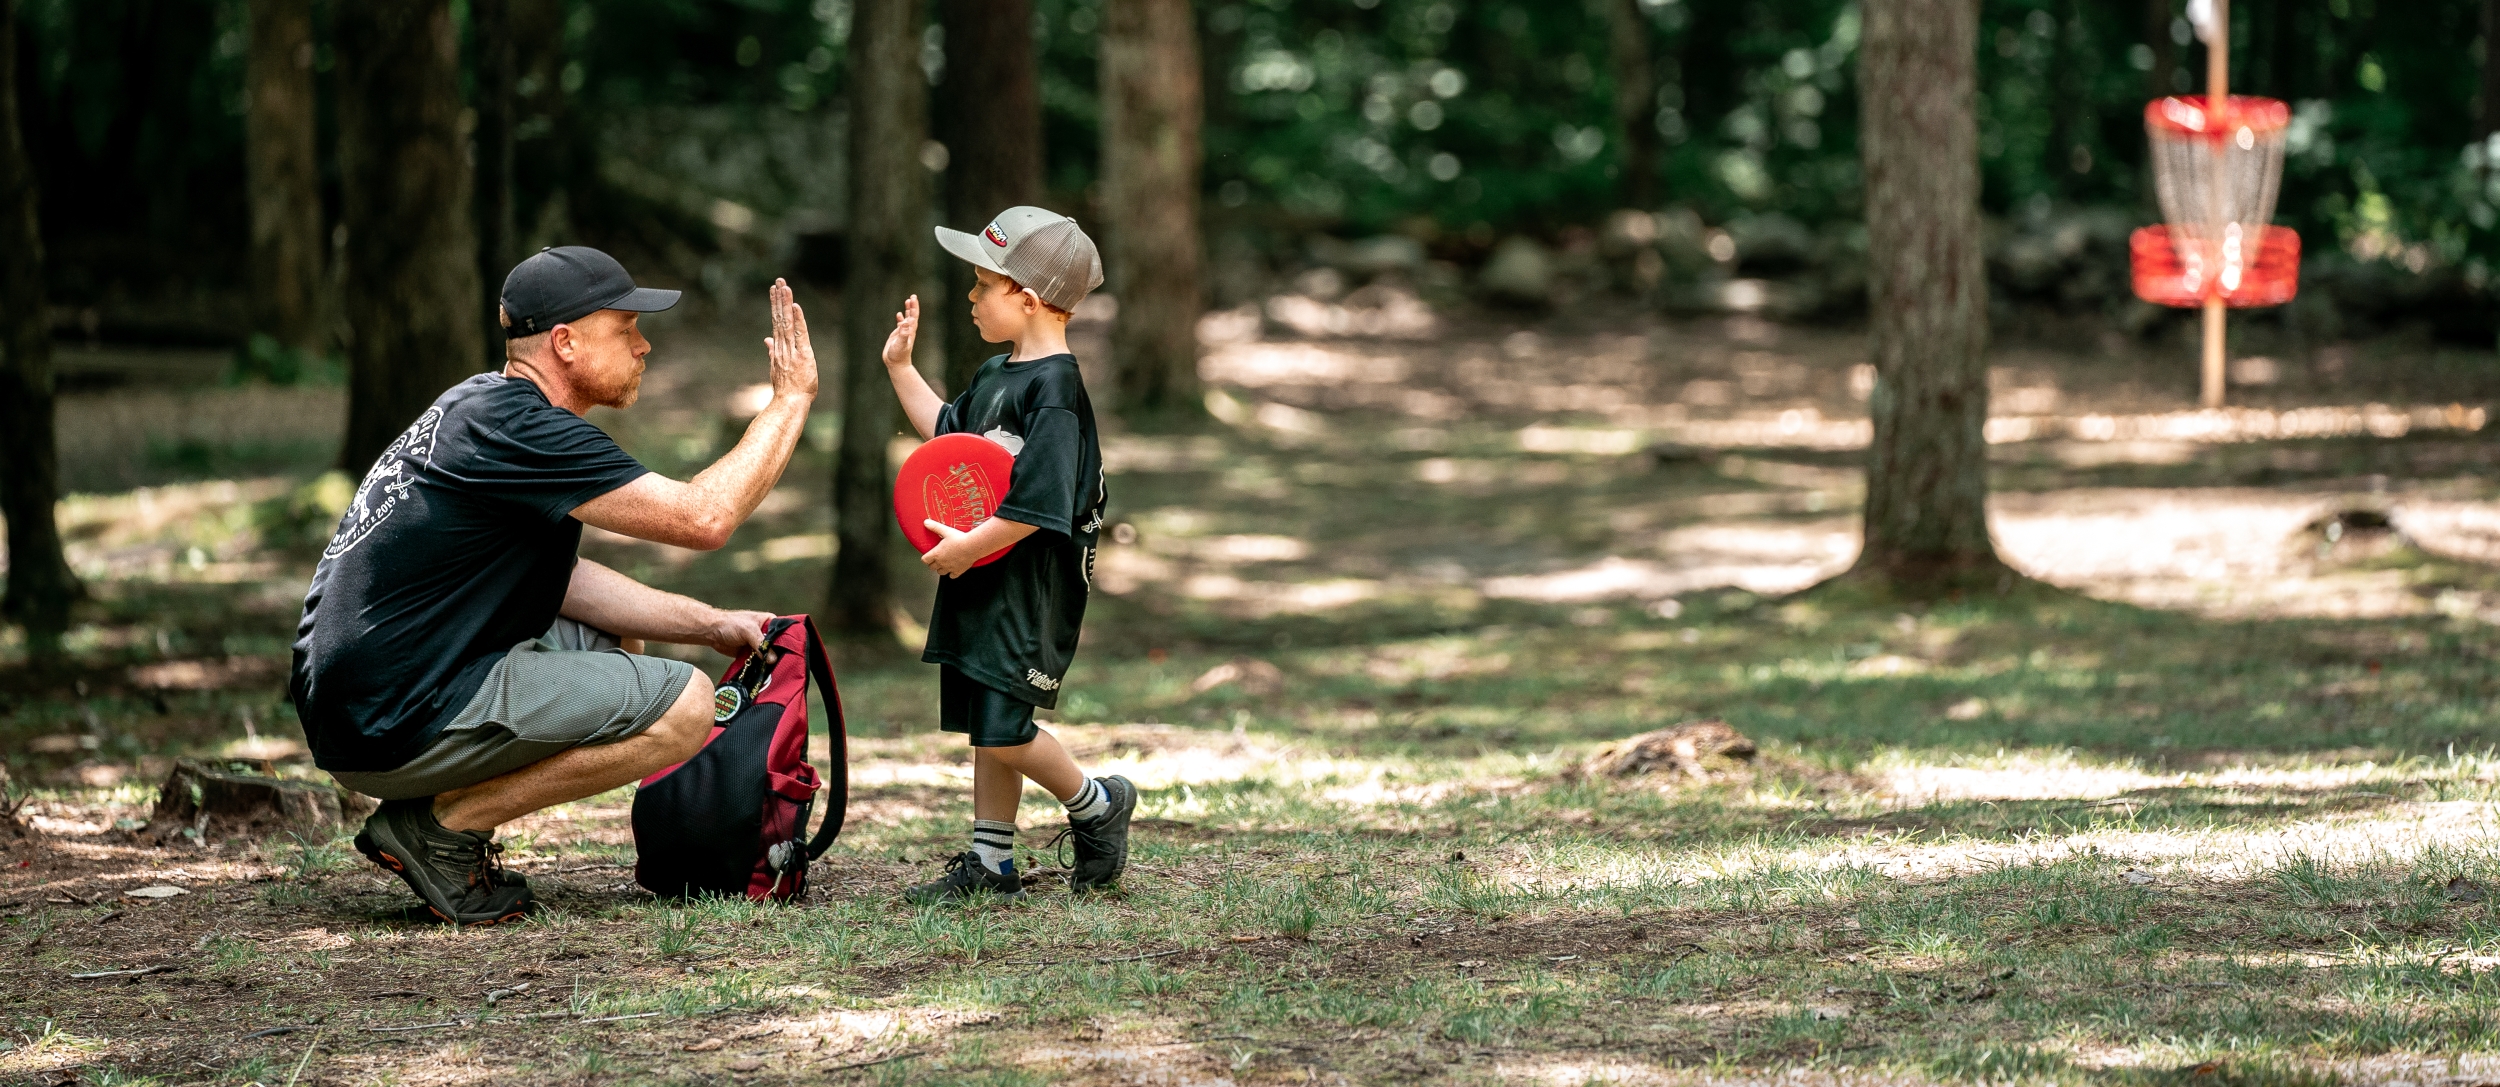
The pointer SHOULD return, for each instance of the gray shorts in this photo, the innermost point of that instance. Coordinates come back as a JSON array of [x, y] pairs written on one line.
[[570, 687]]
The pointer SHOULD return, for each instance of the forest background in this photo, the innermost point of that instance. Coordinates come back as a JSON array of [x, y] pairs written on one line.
[[703, 142]]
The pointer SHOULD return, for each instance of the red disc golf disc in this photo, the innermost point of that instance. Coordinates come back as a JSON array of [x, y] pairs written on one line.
[[952, 479]]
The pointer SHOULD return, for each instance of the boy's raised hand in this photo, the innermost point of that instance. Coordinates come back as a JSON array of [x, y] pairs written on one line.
[[906, 329], [792, 356]]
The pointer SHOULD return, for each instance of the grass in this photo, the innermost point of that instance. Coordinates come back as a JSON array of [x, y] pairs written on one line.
[[2045, 836]]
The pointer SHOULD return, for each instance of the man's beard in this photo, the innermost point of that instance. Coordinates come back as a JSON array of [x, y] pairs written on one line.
[[623, 394]]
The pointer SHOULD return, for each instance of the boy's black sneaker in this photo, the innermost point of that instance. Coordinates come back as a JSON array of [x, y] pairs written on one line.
[[1102, 841], [965, 877], [458, 873]]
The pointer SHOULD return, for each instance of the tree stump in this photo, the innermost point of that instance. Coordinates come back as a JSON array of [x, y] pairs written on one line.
[[1694, 748], [19, 840], [217, 801]]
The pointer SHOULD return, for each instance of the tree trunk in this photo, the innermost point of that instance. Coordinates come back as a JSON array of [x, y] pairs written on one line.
[[40, 588], [888, 261], [2158, 15], [989, 115], [2487, 118], [1151, 113], [1636, 104], [1926, 471], [490, 21], [283, 175], [411, 289]]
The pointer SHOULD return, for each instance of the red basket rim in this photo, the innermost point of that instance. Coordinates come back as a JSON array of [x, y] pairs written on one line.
[[2188, 115], [2270, 277]]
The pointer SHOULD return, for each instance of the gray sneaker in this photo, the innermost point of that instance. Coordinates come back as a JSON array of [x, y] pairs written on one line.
[[458, 873], [1102, 842], [965, 878]]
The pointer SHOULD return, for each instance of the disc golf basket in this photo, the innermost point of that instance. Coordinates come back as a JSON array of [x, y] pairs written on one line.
[[2217, 162]]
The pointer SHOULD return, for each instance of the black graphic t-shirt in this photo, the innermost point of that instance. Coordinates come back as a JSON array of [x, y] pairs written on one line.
[[1011, 625], [460, 545]]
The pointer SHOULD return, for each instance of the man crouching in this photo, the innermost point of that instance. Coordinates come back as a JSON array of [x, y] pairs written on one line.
[[456, 658]]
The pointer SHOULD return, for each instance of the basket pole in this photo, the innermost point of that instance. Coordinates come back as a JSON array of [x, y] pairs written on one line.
[[2217, 103]]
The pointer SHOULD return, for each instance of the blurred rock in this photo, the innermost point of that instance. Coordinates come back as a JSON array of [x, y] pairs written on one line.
[[1372, 256], [1519, 271], [1254, 677], [1662, 454], [1771, 243], [1684, 240], [1695, 749], [1380, 309], [1627, 231]]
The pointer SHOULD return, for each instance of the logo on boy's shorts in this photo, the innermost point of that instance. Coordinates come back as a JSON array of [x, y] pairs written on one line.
[[996, 236], [727, 700], [1035, 677]]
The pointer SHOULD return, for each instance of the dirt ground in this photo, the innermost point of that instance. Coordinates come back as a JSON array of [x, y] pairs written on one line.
[[2210, 799]]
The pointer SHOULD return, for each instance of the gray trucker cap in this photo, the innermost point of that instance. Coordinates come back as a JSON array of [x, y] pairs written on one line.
[[1043, 250]]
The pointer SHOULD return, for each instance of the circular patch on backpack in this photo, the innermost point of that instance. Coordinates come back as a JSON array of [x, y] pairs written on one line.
[[727, 700]]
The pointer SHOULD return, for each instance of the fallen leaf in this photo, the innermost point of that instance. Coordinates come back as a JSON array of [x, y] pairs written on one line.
[[2138, 876], [159, 890], [705, 1046]]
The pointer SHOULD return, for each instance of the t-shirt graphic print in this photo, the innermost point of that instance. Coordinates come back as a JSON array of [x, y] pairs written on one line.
[[459, 545], [1012, 625], [393, 473]]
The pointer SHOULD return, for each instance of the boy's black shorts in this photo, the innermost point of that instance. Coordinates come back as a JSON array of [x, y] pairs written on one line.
[[991, 717]]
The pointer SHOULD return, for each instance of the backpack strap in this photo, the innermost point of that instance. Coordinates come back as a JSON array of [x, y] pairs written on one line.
[[837, 793]]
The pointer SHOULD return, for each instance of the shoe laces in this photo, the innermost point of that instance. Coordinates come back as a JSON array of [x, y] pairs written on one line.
[[960, 864], [1083, 834], [484, 862], [491, 870]]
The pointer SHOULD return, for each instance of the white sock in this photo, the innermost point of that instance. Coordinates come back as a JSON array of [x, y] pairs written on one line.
[[1088, 803], [995, 843]]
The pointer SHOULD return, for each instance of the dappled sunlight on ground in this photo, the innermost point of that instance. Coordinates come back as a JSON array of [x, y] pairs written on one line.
[[1356, 635]]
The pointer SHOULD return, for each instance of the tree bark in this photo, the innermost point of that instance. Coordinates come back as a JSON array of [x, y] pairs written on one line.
[[2158, 15], [2487, 118], [283, 175], [490, 24], [40, 588], [1152, 110], [1636, 104], [888, 260], [1926, 471], [411, 287], [989, 115]]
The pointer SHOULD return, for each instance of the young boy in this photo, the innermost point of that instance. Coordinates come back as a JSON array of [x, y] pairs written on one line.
[[1002, 634]]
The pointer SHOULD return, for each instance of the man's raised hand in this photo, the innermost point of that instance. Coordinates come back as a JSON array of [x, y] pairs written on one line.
[[906, 329], [793, 356]]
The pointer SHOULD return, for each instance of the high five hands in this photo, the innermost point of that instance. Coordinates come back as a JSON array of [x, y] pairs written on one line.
[[906, 330], [793, 357]]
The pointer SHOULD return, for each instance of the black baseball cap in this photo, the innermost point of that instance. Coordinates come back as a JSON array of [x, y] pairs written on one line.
[[568, 283]]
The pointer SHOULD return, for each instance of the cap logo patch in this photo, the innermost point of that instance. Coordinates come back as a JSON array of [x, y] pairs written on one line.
[[996, 236]]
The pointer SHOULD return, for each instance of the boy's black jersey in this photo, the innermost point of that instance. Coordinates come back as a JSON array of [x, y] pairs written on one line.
[[1012, 625]]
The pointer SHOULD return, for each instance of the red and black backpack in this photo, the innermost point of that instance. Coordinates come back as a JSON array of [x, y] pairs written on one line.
[[732, 820]]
